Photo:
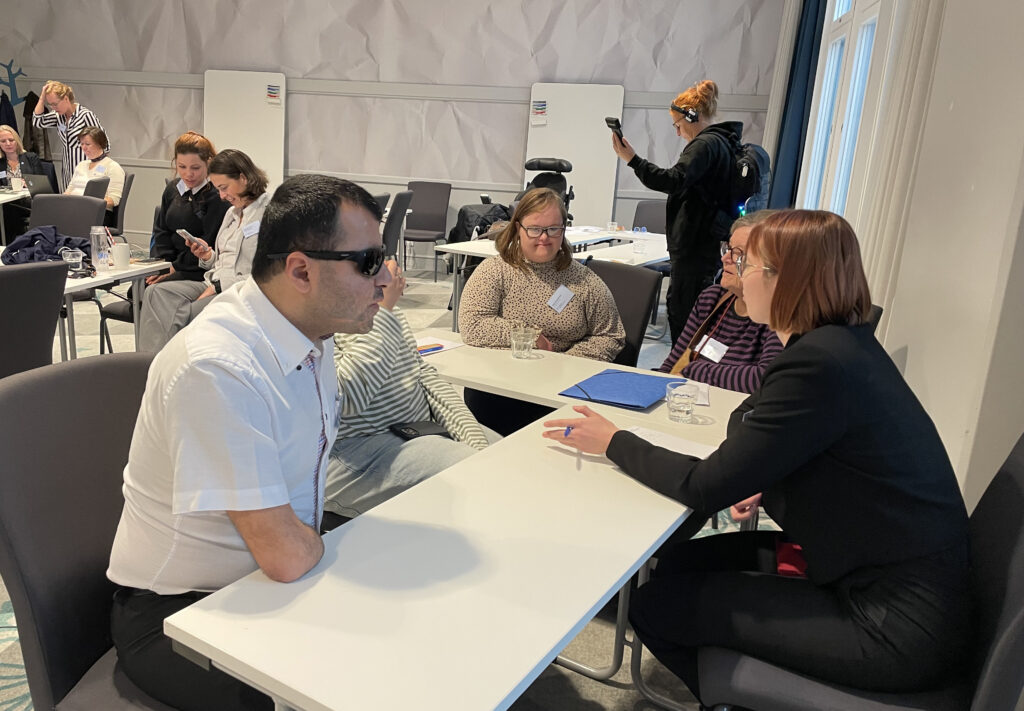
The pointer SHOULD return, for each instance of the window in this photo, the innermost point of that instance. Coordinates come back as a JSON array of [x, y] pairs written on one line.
[[823, 126], [851, 122]]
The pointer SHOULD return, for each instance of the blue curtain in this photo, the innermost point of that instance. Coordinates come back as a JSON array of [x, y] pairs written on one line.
[[796, 113]]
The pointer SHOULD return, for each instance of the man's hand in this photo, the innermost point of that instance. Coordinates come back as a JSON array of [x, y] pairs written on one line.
[[156, 278], [622, 148], [591, 434], [284, 547], [396, 287]]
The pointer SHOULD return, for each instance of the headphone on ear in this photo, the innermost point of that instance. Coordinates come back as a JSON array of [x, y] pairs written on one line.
[[690, 115]]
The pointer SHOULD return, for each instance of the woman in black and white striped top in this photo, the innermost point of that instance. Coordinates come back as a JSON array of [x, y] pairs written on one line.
[[69, 118]]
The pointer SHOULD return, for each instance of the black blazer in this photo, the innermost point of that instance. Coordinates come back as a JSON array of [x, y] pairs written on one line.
[[850, 464], [200, 213], [30, 163]]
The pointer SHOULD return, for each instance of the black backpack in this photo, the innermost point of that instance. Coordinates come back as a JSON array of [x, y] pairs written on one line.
[[750, 181]]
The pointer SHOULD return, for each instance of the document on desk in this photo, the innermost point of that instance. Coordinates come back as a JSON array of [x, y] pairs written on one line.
[[429, 344], [676, 444]]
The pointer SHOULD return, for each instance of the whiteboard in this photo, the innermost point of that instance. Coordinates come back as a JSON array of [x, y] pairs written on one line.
[[567, 121], [245, 111]]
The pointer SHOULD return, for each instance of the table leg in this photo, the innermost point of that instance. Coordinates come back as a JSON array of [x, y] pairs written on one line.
[[63, 340], [635, 659], [618, 643], [3, 230], [69, 306], [457, 293], [138, 284]]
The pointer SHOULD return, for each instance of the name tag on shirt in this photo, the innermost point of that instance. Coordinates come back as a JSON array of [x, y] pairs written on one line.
[[711, 349], [561, 298], [182, 188], [101, 169], [250, 229]]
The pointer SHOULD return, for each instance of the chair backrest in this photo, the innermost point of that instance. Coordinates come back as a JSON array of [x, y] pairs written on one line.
[[382, 200], [393, 225], [97, 187], [31, 295], [997, 566], [121, 207], [634, 290], [429, 206], [51, 173], [65, 431], [874, 316], [73, 215], [650, 214]]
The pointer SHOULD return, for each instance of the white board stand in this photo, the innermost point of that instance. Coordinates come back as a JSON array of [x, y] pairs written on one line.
[[572, 127], [245, 111]]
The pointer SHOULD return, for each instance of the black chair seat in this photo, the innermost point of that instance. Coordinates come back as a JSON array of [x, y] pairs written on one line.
[[106, 687], [118, 310], [423, 235]]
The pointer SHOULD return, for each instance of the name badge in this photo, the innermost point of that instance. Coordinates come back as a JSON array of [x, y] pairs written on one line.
[[250, 229], [711, 349], [561, 298], [101, 169], [182, 188]]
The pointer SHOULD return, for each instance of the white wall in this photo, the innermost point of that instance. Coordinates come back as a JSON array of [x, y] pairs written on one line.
[[384, 91], [956, 320]]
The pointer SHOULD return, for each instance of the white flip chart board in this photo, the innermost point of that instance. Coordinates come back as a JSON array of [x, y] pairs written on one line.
[[245, 110], [567, 121]]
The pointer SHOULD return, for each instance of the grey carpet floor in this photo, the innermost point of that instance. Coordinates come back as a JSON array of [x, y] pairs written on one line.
[[557, 689]]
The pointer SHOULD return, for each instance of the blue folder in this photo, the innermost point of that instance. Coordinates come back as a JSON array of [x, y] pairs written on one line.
[[622, 388]]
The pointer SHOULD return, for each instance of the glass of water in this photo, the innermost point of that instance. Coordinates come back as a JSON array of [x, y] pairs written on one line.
[[523, 338], [680, 397]]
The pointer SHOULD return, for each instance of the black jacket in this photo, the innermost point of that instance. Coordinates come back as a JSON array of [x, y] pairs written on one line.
[[697, 185], [850, 464], [30, 163], [200, 214]]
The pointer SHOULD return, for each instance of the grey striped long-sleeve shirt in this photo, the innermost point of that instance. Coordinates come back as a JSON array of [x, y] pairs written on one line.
[[383, 380], [71, 151]]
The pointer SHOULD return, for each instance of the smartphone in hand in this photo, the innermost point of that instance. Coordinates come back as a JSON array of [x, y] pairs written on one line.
[[188, 237], [614, 125]]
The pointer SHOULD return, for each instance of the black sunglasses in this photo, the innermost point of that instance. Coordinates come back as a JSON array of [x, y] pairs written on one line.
[[368, 261]]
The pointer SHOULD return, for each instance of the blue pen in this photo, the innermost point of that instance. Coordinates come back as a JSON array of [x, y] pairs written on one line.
[[429, 349], [567, 431]]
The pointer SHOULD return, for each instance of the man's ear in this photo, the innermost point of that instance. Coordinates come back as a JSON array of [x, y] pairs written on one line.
[[297, 268]]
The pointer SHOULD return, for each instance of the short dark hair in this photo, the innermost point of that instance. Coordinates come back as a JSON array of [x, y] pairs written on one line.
[[97, 134], [234, 164], [303, 214]]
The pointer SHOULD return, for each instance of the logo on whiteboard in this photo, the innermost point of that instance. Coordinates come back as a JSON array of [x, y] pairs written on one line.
[[274, 94]]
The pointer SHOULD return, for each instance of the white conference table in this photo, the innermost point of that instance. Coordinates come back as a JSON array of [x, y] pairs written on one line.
[[5, 197], [462, 588], [135, 273], [579, 238], [539, 380]]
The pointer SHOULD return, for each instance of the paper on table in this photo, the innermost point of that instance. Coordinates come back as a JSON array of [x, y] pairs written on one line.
[[703, 393], [583, 230], [676, 444], [430, 345]]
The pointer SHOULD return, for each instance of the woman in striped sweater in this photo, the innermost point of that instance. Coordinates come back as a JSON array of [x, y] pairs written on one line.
[[720, 345], [69, 118]]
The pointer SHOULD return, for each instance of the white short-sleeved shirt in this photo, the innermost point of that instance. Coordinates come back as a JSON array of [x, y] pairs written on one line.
[[230, 421]]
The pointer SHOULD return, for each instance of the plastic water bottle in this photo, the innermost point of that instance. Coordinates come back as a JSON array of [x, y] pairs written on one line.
[[99, 248]]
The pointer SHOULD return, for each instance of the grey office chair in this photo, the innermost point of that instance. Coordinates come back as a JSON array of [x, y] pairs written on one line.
[[72, 215], [635, 290], [31, 295], [382, 200], [394, 222], [51, 173], [429, 219], [59, 508], [651, 214], [117, 213], [728, 678], [97, 187]]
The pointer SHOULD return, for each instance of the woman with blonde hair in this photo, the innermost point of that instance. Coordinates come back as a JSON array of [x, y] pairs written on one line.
[[17, 162], [845, 459], [698, 193], [58, 109]]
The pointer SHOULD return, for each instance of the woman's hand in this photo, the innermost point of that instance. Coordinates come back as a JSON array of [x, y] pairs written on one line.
[[201, 250], [622, 148], [155, 278], [207, 292], [745, 509], [543, 343], [395, 288], [591, 434]]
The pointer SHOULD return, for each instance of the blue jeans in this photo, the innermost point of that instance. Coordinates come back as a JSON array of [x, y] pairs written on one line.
[[364, 471]]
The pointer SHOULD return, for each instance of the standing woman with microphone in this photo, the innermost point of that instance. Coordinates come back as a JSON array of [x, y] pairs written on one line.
[[697, 186]]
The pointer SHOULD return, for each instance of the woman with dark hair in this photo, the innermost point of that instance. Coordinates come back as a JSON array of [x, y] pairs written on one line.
[[169, 307], [190, 203], [850, 466], [97, 164], [534, 261], [698, 189]]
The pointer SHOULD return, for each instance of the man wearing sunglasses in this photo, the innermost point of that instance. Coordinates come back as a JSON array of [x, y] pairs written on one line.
[[227, 463]]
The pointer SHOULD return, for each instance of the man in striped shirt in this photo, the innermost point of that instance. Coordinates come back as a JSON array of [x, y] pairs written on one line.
[[384, 381], [69, 118]]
